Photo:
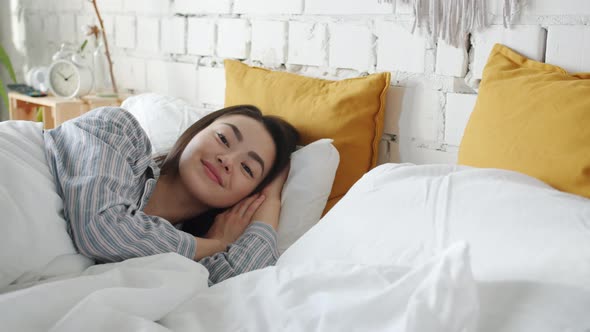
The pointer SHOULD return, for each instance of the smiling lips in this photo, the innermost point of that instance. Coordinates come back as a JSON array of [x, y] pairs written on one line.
[[212, 172]]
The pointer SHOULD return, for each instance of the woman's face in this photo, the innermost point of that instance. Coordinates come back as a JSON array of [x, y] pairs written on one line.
[[227, 160]]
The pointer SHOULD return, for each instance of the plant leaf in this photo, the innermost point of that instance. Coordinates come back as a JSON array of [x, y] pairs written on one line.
[[5, 60], [3, 93], [83, 45]]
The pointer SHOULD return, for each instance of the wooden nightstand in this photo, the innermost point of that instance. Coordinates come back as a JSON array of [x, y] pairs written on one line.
[[55, 110]]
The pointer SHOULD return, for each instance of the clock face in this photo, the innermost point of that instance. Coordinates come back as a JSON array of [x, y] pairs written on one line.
[[64, 78]]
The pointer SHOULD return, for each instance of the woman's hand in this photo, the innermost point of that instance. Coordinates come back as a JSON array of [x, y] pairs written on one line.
[[230, 224], [273, 190], [270, 210]]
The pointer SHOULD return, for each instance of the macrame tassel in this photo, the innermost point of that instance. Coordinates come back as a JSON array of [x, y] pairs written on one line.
[[510, 11], [452, 20], [449, 20]]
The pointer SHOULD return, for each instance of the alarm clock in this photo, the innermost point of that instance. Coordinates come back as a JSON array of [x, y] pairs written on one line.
[[69, 79]]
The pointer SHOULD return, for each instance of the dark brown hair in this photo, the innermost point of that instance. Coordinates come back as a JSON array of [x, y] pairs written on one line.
[[284, 135]]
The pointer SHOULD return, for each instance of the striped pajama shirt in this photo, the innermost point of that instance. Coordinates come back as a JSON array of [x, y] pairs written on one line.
[[105, 175]]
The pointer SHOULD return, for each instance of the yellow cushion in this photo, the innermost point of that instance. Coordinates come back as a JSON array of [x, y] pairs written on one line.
[[533, 118], [349, 111]]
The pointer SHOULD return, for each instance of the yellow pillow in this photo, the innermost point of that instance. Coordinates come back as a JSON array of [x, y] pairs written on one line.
[[349, 111], [533, 118]]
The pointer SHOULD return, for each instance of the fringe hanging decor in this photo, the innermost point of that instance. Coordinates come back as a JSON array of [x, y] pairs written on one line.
[[452, 20]]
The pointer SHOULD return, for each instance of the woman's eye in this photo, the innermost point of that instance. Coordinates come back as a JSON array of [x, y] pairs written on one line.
[[248, 170], [223, 139]]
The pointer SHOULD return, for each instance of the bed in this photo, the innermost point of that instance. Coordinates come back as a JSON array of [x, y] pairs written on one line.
[[408, 248]]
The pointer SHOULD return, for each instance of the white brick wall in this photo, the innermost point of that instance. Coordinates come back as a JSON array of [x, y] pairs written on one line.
[[125, 27], [211, 86], [176, 47], [130, 73], [269, 41], [159, 7], [348, 7], [268, 6], [528, 40], [202, 6], [421, 113], [351, 46], [67, 28], [307, 43], [457, 112], [164, 78], [569, 47], [173, 35], [451, 61], [201, 36], [148, 34], [233, 38], [395, 44]]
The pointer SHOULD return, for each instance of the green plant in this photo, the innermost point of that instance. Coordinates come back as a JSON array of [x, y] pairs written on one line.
[[5, 61]]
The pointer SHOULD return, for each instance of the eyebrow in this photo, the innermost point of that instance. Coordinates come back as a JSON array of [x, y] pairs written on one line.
[[240, 138], [237, 131]]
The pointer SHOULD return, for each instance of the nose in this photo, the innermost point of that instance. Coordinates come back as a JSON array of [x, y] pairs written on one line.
[[225, 162]]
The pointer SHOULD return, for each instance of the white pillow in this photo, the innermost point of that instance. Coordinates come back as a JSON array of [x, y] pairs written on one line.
[[163, 118], [310, 179], [32, 228], [517, 227], [306, 190]]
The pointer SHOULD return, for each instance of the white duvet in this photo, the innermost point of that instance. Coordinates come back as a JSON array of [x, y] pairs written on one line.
[[409, 248], [169, 292]]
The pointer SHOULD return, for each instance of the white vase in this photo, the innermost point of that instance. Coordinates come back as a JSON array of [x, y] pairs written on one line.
[[103, 86]]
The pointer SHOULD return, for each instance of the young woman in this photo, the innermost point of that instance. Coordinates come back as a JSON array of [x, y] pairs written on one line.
[[120, 204]]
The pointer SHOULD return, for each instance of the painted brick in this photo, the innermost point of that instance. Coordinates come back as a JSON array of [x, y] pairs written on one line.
[[173, 33], [233, 38], [40, 5], [457, 113], [202, 6], [211, 85], [562, 7], [72, 5], [343, 55], [34, 24], [528, 40], [148, 34], [569, 47], [84, 20], [125, 31], [162, 77], [393, 108], [420, 113], [161, 7], [269, 41], [109, 6], [130, 73], [307, 43], [67, 28], [51, 26], [268, 6], [451, 61], [398, 49], [347, 7], [388, 152], [109, 26], [201, 36], [411, 152]]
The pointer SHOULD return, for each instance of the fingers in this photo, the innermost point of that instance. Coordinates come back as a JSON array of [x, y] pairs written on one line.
[[242, 207], [253, 207]]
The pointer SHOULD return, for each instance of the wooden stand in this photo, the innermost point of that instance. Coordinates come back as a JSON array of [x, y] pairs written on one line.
[[55, 110]]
